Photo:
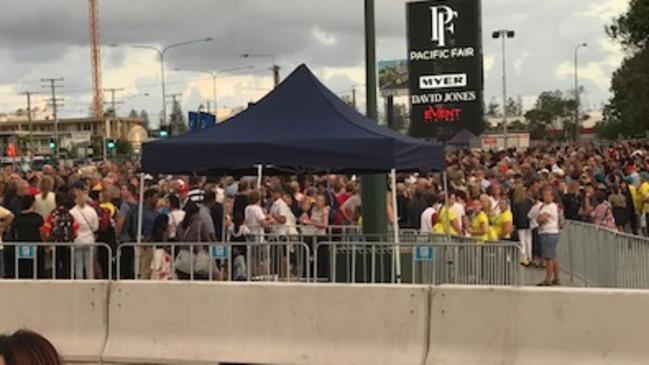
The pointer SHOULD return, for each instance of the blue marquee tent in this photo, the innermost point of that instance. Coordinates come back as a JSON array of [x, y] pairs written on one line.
[[299, 127]]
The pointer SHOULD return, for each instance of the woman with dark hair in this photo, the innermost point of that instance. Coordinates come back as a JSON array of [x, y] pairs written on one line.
[[192, 230], [27, 348], [176, 216], [60, 227]]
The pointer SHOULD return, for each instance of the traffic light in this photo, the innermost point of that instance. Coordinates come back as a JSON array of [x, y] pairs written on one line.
[[52, 144], [110, 144], [164, 132]]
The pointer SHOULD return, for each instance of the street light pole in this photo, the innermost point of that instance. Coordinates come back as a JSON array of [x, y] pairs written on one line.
[[504, 34], [161, 56], [214, 75], [577, 96], [275, 67]]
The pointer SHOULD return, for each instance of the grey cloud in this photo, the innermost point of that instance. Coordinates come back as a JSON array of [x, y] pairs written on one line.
[[36, 35]]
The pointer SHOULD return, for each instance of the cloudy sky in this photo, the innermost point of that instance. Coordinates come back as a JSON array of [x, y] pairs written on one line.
[[46, 38]]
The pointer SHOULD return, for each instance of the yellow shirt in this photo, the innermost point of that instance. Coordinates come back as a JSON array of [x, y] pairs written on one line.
[[446, 216], [476, 222], [499, 223], [644, 193], [635, 197]]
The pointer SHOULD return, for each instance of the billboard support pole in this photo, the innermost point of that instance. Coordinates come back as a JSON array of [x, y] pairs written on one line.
[[374, 187]]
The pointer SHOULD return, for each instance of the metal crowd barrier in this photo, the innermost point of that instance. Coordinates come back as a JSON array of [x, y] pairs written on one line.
[[30, 260], [288, 261], [596, 256], [421, 263]]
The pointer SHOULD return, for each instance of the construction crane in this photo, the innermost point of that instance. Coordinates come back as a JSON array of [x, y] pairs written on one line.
[[97, 101]]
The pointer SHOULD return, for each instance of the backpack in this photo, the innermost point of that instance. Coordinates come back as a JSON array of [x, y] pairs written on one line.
[[62, 227], [105, 219]]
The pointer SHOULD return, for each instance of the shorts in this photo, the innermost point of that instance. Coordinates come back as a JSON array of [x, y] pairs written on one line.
[[548, 244]]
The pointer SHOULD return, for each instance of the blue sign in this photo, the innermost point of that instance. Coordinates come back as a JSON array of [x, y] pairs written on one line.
[[26, 252], [200, 120], [424, 253], [219, 252]]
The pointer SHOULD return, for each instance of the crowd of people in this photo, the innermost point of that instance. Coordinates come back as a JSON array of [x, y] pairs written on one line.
[[507, 195]]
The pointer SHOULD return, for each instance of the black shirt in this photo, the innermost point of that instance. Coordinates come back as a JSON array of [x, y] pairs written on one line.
[[27, 227], [416, 206]]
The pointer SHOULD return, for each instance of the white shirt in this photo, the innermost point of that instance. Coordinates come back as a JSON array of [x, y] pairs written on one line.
[[533, 213], [552, 225], [44, 206], [88, 222], [281, 209], [427, 220], [175, 219], [254, 215], [460, 212]]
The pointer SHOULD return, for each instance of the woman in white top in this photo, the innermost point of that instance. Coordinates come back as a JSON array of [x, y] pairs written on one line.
[[319, 218], [176, 216], [255, 218], [44, 201], [86, 217], [548, 220]]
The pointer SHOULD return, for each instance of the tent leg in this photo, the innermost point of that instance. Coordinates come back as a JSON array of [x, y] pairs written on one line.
[[447, 228], [260, 170], [395, 224], [140, 213]]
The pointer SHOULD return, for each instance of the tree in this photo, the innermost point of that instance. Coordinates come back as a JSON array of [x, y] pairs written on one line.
[[145, 118], [551, 111], [133, 114], [492, 108], [512, 107], [632, 28], [177, 120], [627, 112]]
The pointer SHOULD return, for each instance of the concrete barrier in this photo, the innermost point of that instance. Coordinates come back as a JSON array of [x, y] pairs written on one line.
[[71, 315], [511, 326], [174, 323]]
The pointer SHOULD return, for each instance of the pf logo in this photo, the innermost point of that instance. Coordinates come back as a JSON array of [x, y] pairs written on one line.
[[443, 18]]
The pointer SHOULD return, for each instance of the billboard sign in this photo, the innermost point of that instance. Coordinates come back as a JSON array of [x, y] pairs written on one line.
[[393, 78], [445, 67]]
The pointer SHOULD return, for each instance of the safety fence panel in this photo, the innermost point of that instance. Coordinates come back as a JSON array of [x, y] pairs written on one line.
[[599, 257], [286, 261], [54, 260], [417, 263]]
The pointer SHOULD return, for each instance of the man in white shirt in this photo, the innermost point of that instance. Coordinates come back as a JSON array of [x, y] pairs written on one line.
[[280, 212], [458, 207], [427, 221], [548, 221]]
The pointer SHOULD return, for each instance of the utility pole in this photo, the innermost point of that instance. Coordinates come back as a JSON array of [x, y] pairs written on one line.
[[354, 97], [113, 102], [54, 102], [174, 101], [113, 114], [29, 121], [577, 99], [374, 187], [276, 74]]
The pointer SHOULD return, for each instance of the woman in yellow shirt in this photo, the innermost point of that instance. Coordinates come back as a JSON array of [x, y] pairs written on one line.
[[503, 223], [480, 222], [448, 222]]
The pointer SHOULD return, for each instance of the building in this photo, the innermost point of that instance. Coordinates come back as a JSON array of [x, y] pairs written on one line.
[[73, 133]]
